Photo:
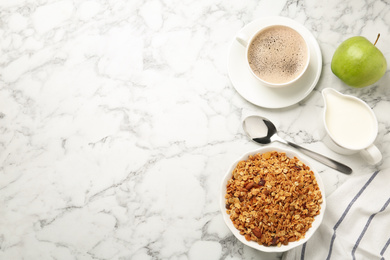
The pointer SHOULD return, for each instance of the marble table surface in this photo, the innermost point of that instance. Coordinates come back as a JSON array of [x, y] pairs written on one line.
[[118, 121]]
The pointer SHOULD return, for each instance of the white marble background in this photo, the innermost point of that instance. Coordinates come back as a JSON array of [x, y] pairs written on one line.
[[118, 121]]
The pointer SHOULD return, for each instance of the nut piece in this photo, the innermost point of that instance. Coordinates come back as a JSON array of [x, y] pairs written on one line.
[[249, 186], [272, 199], [256, 231]]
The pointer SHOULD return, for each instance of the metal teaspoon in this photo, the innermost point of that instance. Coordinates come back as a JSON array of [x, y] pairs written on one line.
[[263, 131]]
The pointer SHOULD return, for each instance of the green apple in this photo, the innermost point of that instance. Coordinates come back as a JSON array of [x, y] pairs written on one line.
[[358, 62]]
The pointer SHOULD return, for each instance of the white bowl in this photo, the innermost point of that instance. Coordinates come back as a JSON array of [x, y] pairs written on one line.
[[290, 245]]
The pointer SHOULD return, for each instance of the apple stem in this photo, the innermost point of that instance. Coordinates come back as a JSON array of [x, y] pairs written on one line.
[[377, 38]]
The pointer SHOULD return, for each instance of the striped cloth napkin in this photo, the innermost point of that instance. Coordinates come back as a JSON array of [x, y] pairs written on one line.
[[356, 223]]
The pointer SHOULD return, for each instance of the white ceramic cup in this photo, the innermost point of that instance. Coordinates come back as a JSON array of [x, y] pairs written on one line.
[[365, 147], [246, 41]]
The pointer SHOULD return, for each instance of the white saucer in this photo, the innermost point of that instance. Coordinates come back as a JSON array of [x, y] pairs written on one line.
[[252, 90]]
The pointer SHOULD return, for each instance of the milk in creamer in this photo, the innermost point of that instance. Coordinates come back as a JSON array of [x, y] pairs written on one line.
[[350, 122]]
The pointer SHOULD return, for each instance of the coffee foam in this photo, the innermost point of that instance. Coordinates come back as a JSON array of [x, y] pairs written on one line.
[[278, 54]]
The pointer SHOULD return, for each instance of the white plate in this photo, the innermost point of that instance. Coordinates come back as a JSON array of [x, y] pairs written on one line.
[[252, 90], [290, 245]]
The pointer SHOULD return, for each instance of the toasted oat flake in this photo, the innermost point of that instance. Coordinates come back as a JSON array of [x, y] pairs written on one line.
[[272, 199]]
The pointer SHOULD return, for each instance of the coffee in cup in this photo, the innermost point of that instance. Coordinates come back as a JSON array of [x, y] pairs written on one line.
[[277, 55]]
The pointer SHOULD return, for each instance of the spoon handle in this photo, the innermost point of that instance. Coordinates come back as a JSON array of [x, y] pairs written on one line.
[[323, 159]]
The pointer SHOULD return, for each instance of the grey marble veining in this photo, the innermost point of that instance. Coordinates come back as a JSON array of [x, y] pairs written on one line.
[[118, 121]]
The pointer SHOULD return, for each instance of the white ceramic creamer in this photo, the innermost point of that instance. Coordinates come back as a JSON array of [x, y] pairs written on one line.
[[351, 126]]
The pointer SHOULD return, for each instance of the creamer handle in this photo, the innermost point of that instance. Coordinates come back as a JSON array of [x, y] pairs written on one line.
[[371, 154]]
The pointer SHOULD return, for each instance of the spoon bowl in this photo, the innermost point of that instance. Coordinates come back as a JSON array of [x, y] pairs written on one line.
[[263, 131], [259, 129]]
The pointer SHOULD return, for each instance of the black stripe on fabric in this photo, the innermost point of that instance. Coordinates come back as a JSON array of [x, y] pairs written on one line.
[[366, 227], [384, 248], [347, 210], [303, 251]]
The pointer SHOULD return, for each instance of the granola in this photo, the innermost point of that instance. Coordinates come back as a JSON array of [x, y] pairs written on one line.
[[272, 199]]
